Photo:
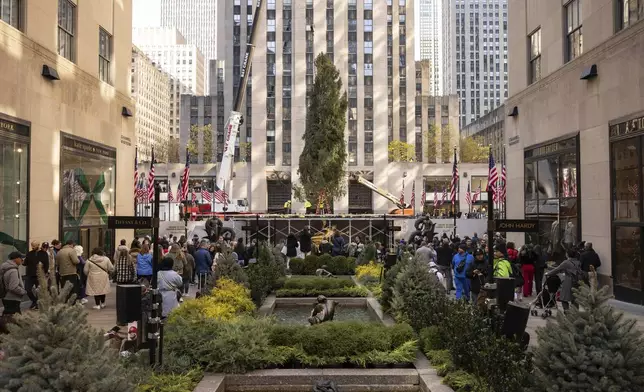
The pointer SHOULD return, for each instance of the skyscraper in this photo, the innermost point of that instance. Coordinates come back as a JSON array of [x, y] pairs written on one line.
[[435, 43], [196, 20], [288, 39], [480, 55]]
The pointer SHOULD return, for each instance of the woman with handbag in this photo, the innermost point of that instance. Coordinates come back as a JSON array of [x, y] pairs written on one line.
[[98, 270], [169, 282]]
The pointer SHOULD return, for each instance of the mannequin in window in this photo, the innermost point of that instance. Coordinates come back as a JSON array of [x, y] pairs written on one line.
[[569, 236], [555, 235]]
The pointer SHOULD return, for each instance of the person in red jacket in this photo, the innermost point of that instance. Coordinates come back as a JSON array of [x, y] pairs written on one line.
[[513, 254]]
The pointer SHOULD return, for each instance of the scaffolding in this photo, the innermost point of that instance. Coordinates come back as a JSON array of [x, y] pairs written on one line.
[[275, 228]]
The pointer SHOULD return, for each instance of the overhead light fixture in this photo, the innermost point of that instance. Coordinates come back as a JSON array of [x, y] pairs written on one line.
[[514, 112], [589, 72], [49, 72], [125, 112]]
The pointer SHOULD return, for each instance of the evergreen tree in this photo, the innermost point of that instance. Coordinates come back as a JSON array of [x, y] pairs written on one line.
[[54, 349], [323, 159], [593, 348], [264, 274], [227, 267]]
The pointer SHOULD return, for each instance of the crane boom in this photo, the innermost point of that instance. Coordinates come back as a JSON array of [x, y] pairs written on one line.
[[381, 192], [224, 174]]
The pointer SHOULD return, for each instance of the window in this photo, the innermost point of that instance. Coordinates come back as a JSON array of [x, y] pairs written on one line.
[[104, 55], [535, 56], [574, 38], [628, 12], [10, 12], [66, 28]]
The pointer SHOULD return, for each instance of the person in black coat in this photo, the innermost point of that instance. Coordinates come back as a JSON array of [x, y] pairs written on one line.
[[305, 242], [476, 273], [444, 255], [291, 246], [589, 258], [37, 255]]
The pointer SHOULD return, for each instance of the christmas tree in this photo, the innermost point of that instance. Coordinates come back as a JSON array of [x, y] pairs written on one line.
[[593, 348], [54, 349]]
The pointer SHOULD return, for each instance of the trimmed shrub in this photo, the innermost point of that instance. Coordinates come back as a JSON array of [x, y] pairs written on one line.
[[264, 274], [418, 297], [338, 265], [185, 382], [311, 282], [431, 338], [297, 266], [313, 292], [462, 381], [227, 267], [369, 274]]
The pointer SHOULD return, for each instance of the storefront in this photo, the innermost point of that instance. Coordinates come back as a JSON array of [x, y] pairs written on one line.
[[552, 178], [87, 192], [626, 165], [14, 189]]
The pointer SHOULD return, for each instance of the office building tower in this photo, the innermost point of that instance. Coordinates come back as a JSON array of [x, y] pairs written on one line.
[[168, 49], [288, 39], [196, 20], [434, 34], [151, 92], [480, 55]]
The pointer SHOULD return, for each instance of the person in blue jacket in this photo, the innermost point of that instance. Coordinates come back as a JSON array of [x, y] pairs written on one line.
[[144, 263], [203, 262], [461, 262]]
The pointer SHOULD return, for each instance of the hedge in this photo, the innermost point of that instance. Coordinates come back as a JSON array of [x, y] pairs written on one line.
[[338, 265]]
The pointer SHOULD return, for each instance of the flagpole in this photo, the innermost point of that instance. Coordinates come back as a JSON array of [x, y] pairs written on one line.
[[456, 185]]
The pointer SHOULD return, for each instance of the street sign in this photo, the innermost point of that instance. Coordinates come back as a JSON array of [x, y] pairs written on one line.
[[129, 222], [517, 225]]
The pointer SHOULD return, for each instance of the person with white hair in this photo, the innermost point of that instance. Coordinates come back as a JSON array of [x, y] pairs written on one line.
[[83, 277], [433, 269]]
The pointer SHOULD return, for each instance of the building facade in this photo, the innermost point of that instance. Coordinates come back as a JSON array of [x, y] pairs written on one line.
[[435, 43], [436, 120], [168, 49], [489, 130], [479, 57], [288, 40], [197, 22], [151, 92], [64, 121], [577, 83]]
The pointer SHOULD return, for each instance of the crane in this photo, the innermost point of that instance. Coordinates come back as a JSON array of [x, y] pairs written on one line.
[[235, 119], [402, 209]]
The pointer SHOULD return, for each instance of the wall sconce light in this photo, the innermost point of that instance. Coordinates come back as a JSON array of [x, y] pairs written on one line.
[[514, 112], [125, 112], [589, 72], [49, 72]]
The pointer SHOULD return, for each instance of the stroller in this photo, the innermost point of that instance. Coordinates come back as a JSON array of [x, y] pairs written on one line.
[[546, 300]]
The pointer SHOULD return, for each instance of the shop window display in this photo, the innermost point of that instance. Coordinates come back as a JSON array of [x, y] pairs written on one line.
[[14, 170]]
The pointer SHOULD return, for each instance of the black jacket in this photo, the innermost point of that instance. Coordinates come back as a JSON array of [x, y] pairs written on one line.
[[32, 259], [588, 258], [444, 255], [305, 242], [291, 246], [477, 281]]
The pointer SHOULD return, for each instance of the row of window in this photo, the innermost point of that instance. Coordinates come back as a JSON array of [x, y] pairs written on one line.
[[11, 12]]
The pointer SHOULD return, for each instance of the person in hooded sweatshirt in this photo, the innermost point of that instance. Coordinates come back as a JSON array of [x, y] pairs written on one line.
[[305, 242], [477, 273], [460, 264], [12, 282]]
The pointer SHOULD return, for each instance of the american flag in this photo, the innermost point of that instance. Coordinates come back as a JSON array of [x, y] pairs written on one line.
[[151, 178], [476, 195], [179, 199], [170, 195], [142, 191], [468, 196], [205, 195], [454, 180], [492, 176], [444, 198], [402, 194], [194, 196], [136, 173], [413, 194], [220, 195], [185, 177], [435, 198], [503, 187], [423, 197]]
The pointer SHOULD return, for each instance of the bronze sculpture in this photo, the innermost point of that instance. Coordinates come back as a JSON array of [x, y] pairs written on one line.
[[323, 310]]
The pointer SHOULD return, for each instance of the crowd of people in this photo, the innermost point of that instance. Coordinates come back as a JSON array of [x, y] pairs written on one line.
[[463, 265]]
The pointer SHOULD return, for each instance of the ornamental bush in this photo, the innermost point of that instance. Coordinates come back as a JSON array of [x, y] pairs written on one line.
[[338, 265], [337, 292], [369, 274], [593, 348], [55, 349], [264, 274]]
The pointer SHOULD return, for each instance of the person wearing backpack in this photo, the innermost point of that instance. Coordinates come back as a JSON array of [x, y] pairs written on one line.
[[460, 264], [12, 289], [571, 268]]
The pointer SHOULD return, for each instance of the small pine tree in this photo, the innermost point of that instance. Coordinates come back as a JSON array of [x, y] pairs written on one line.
[[54, 349], [228, 267], [593, 348], [263, 275]]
